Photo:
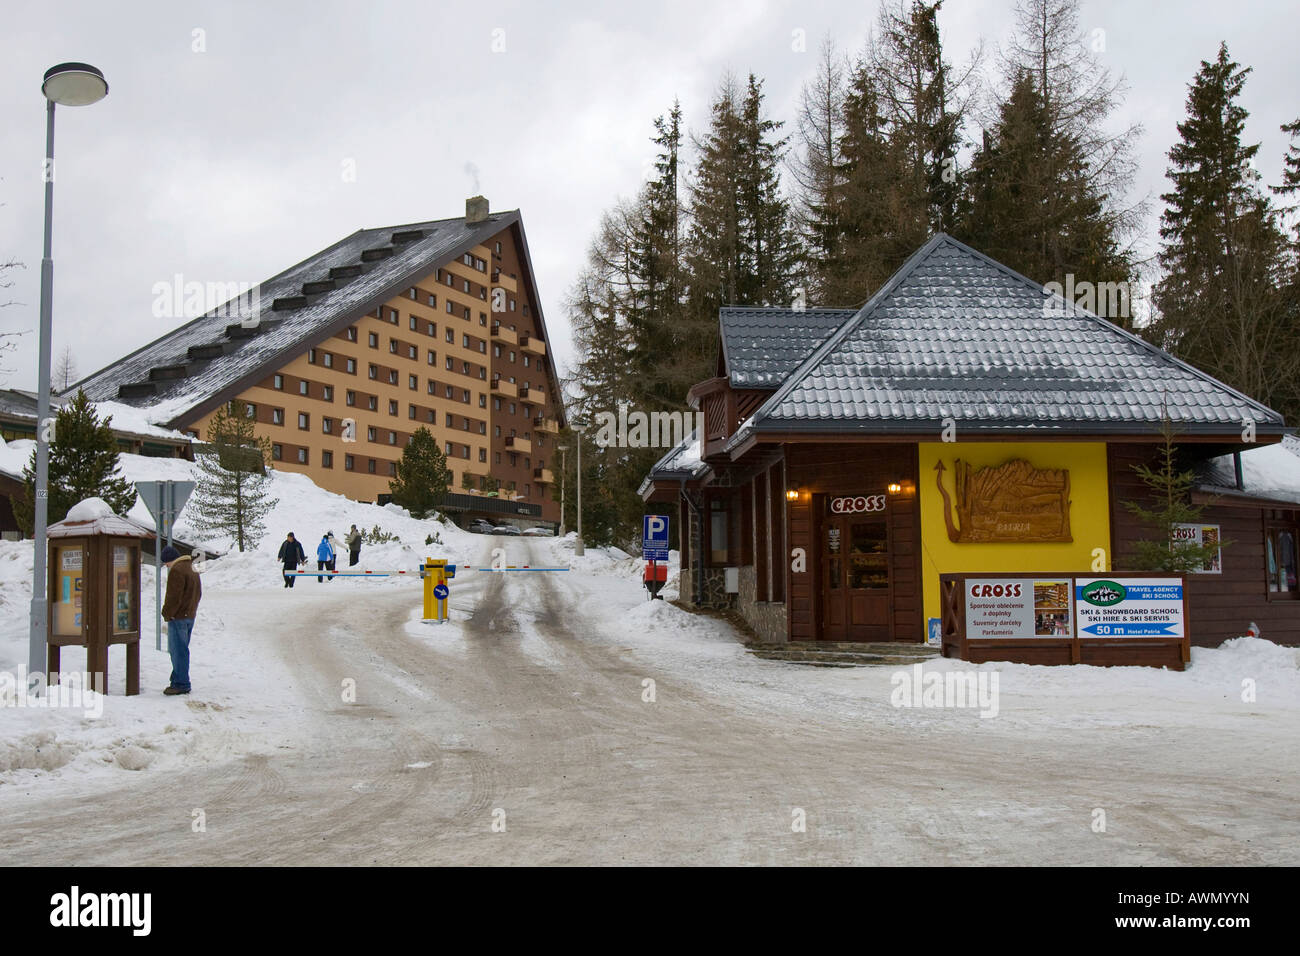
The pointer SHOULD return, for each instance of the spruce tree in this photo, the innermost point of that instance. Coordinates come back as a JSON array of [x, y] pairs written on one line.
[[83, 463], [423, 478], [818, 169], [1167, 507], [1221, 301], [231, 498]]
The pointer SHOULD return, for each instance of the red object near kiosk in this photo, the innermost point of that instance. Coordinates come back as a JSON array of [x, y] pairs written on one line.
[[656, 576]]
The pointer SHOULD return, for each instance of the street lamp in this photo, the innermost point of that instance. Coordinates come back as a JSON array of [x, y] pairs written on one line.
[[562, 449], [68, 84], [578, 429]]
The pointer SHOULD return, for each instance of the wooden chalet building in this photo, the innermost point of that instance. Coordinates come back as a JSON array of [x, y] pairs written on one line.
[[343, 356], [962, 421]]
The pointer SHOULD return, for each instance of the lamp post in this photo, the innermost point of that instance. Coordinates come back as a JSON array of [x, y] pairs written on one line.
[[562, 449], [578, 429], [68, 84]]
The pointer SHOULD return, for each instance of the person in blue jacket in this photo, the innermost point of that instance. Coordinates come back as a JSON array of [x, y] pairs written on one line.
[[324, 556]]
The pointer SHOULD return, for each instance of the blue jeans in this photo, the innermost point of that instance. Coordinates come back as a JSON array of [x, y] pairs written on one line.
[[178, 645]]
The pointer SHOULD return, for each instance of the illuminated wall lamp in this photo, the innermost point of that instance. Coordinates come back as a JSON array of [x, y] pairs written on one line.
[[894, 488], [792, 494]]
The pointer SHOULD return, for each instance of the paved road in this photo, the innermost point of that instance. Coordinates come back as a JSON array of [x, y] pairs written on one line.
[[533, 715]]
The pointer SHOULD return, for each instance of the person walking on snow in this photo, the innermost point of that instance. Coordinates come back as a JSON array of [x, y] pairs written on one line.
[[324, 556], [354, 545], [292, 557], [334, 552], [178, 610]]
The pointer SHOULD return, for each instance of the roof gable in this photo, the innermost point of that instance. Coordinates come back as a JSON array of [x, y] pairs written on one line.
[[954, 334]]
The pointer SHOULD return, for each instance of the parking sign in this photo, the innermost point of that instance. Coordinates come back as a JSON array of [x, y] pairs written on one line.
[[654, 537]]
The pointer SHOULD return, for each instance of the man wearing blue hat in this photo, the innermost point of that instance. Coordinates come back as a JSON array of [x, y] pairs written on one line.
[[179, 608]]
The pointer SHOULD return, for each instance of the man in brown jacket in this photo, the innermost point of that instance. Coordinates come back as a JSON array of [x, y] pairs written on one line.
[[179, 608]]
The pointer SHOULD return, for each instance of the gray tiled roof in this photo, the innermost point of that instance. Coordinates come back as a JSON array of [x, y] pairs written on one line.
[[284, 333], [761, 347], [681, 462], [956, 335]]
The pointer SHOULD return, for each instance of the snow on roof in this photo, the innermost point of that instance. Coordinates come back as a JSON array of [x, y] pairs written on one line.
[[1272, 471]]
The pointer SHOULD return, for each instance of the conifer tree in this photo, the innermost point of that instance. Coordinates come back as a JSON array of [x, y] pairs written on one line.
[[423, 478], [1167, 507], [231, 498], [83, 463], [1221, 301], [818, 169]]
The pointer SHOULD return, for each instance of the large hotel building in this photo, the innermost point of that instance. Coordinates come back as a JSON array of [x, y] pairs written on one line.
[[342, 357]]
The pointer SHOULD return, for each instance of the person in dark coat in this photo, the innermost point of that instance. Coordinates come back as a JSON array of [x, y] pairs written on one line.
[[291, 557], [178, 610], [353, 540]]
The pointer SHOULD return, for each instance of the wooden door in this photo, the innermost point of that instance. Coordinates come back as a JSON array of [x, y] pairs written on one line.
[[855, 578]]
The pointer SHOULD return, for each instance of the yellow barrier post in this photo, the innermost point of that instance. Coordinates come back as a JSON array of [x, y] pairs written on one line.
[[436, 574]]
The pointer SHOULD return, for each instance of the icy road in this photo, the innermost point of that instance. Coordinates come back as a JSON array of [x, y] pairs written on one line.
[[522, 733]]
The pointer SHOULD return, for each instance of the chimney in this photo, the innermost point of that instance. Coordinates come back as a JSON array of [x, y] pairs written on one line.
[[476, 210]]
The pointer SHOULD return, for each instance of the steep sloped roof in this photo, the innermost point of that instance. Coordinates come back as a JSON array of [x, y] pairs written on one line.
[[761, 347], [367, 268], [954, 334], [682, 462]]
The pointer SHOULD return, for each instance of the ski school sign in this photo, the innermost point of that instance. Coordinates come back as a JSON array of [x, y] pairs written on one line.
[[1065, 618]]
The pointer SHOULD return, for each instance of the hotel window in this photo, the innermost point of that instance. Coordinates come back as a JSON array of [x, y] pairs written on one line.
[[370, 433], [277, 452], [302, 456], [392, 407], [412, 382], [374, 372], [311, 356], [498, 248], [451, 307], [1280, 541], [414, 322], [351, 397], [392, 438], [327, 393], [527, 360], [496, 431], [277, 416], [451, 336], [468, 313], [512, 305], [410, 411], [482, 319], [250, 410], [482, 400], [514, 409], [431, 328], [327, 459], [482, 455], [327, 426], [496, 351], [279, 381], [393, 316], [412, 352], [374, 340], [464, 367], [464, 341], [373, 402], [498, 458], [392, 376], [447, 449], [352, 366], [392, 346], [466, 282], [718, 525], [448, 388], [370, 466], [451, 280], [392, 468], [304, 421], [413, 292], [352, 333], [525, 311], [433, 357], [482, 372], [433, 299], [329, 359], [450, 364], [349, 463], [302, 388], [433, 387], [431, 417]]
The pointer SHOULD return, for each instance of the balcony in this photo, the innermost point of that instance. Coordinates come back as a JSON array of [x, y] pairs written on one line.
[[535, 395], [499, 331], [531, 343], [515, 443], [549, 425], [544, 475], [501, 386]]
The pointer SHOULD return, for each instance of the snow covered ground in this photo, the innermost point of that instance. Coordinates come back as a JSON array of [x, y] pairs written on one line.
[[534, 698]]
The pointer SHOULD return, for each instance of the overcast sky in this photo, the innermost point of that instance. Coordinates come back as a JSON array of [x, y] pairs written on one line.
[[227, 164]]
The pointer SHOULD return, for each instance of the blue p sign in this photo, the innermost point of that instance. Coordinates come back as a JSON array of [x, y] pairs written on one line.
[[654, 537]]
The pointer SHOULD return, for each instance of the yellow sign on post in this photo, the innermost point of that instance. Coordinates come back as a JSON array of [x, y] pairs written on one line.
[[436, 574]]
